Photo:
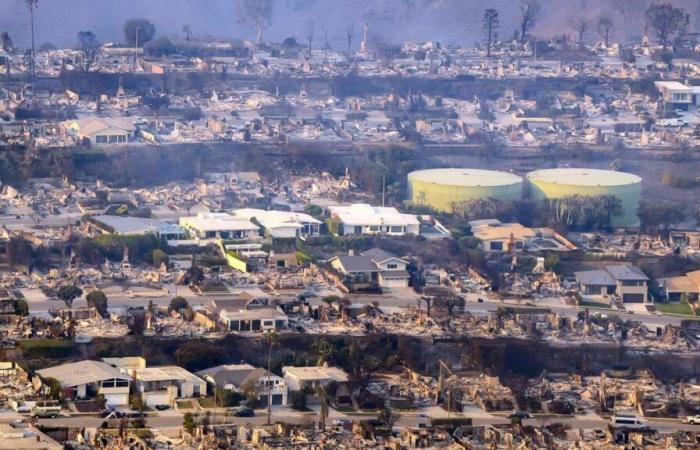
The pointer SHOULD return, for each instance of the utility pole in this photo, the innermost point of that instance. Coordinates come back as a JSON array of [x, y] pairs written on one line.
[[383, 188], [32, 4], [136, 47]]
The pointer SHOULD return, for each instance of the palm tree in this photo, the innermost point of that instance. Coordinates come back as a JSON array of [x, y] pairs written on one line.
[[271, 339], [32, 5], [321, 394]]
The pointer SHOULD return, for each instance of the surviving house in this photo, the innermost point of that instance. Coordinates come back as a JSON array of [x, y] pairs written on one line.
[[362, 218], [242, 378], [392, 269], [163, 385], [102, 130], [628, 283], [501, 237], [357, 270], [263, 319], [219, 226], [87, 379], [677, 95], [685, 287], [301, 378], [282, 224]]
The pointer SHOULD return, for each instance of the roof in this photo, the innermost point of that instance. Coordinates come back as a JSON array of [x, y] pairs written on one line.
[[672, 86], [276, 219], [595, 278], [364, 214], [217, 222], [250, 314], [379, 255], [626, 273], [132, 225], [497, 231], [678, 284], [357, 263], [466, 177], [165, 373], [237, 375], [126, 362], [316, 373], [82, 372], [584, 177], [95, 125]]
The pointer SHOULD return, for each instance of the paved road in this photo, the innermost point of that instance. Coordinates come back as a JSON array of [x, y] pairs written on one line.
[[172, 420]]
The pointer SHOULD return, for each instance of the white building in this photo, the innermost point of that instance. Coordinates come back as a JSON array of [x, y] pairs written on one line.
[[300, 378], [87, 379], [254, 319], [164, 384], [219, 226], [678, 95], [102, 130], [282, 224], [361, 218], [239, 377]]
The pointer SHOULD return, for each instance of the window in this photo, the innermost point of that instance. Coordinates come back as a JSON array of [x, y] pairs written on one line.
[[496, 245], [392, 266], [398, 229], [373, 228], [101, 139], [519, 245]]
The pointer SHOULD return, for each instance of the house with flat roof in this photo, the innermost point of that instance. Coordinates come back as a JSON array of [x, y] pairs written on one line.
[[628, 283], [87, 379], [134, 226], [219, 226], [301, 378], [262, 319], [361, 218], [677, 95], [282, 224], [241, 377], [163, 385]]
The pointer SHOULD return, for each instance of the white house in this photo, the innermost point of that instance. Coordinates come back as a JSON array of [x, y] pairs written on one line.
[[87, 379], [361, 218], [256, 319], [678, 95], [501, 237], [282, 224], [239, 377], [102, 130], [627, 282], [164, 384], [219, 226], [300, 378]]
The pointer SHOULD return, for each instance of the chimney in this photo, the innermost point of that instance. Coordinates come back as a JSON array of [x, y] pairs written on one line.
[[351, 252]]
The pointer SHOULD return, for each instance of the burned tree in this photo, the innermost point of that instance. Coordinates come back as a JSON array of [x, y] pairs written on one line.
[[667, 22], [606, 27], [490, 24], [256, 12], [529, 9], [89, 48]]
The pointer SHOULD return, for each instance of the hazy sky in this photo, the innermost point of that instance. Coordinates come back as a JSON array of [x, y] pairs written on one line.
[[458, 21]]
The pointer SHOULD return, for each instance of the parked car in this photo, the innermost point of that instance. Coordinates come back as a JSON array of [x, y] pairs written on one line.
[[630, 422], [162, 407], [693, 420], [520, 415], [245, 412]]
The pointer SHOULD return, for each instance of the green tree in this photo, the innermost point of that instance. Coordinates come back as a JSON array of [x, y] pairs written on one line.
[[178, 304], [22, 307], [656, 213], [55, 391], [159, 257], [137, 32], [68, 293], [98, 300], [188, 422]]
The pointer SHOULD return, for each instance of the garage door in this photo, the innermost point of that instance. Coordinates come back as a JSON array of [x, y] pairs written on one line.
[[633, 298], [277, 399], [394, 282]]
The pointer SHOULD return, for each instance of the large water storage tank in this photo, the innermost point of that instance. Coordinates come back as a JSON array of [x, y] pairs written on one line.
[[441, 188], [565, 182]]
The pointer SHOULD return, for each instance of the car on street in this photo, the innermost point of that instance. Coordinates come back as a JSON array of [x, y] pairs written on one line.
[[245, 412], [693, 420], [520, 415]]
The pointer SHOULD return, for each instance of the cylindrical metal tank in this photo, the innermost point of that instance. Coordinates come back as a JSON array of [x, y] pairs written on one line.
[[442, 188], [566, 182]]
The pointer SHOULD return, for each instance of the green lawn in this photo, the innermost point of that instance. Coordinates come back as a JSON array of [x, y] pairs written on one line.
[[675, 308], [184, 404], [590, 304], [206, 402]]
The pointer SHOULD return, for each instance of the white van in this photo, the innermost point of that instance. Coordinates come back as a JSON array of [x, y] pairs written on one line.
[[632, 422]]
